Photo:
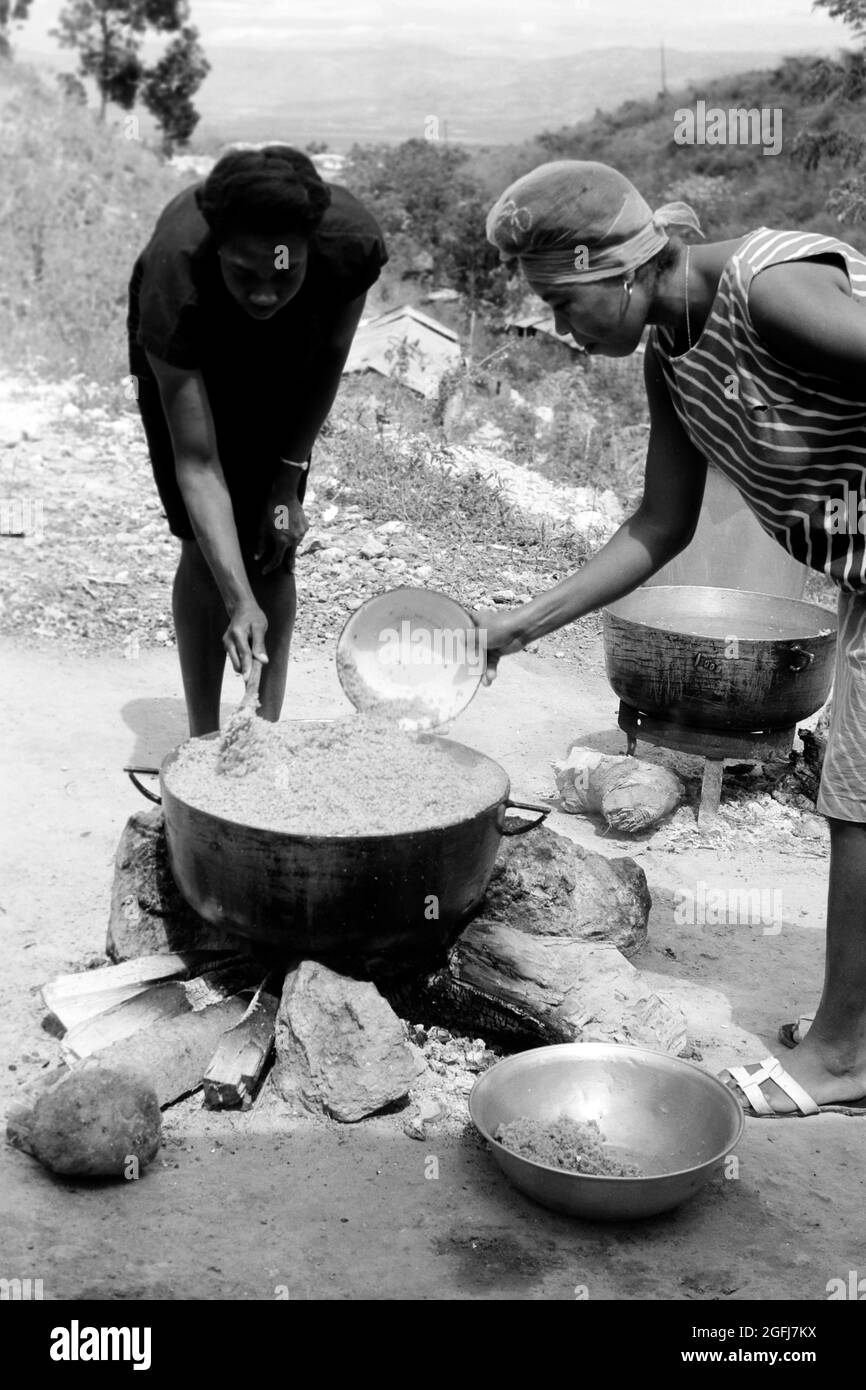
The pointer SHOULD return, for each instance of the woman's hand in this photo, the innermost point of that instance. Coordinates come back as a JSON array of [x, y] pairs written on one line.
[[499, 637], [244, 638], [282, 527]]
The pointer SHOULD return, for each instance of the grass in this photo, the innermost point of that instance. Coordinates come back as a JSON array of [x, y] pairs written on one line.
[[391, 459], [78, 203]]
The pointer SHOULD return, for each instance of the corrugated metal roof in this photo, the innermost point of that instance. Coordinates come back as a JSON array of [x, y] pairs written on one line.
[[431, 348]]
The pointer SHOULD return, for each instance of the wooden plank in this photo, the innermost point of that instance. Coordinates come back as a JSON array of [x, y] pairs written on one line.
[[711, 791], [236, 1067], [160, 1001], [125, 1019], [174, 1052], [74, 998]]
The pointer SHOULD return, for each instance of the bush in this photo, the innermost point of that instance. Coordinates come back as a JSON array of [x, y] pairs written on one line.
[[84, 203]]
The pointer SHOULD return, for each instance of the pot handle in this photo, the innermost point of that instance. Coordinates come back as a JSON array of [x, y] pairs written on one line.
[[543, 812], [151, 772], [806, 659]]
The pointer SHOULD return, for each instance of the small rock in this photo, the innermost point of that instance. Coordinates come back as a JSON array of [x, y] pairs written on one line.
[[414, 1128], [503, 596], [70, 411], [372, 549], [329, 515], [391, 528]]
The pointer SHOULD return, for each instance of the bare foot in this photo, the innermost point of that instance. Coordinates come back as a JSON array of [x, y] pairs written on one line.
[[820, 1070]]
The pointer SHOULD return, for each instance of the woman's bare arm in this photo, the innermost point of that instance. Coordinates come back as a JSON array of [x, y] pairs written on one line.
[[203, 486], [662, 526]]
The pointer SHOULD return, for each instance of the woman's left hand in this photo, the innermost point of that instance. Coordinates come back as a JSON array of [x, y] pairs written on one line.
[[282, 528]]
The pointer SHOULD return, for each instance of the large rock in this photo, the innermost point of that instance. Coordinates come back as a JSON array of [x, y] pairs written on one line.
[[148, 915], [546, 885], [575, 991], [96, 1121], [340, 1046]]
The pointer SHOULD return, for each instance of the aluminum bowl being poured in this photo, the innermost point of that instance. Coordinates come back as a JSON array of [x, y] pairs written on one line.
[[412, 655]]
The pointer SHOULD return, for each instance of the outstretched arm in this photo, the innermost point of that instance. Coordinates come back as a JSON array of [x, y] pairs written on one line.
[[662, 526]]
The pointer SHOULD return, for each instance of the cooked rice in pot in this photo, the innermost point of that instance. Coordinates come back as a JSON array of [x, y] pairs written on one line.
[[358, 775]]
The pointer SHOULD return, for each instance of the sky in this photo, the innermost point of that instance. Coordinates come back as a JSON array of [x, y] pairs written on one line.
[[544, 28]]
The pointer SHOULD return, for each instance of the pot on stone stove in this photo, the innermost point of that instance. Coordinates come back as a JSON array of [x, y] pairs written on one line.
[[362, 898], [719, 658]]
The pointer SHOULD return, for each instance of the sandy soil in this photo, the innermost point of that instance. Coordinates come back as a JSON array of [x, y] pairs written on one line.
[[237, 1206]]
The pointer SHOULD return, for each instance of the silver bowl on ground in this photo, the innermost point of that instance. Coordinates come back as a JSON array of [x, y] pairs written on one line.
[[670, 1118]]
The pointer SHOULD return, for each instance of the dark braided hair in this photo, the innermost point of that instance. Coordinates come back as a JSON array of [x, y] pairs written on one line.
[[275, 188]]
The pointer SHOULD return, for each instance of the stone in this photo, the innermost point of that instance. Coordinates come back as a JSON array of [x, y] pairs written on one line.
[[391, 528], [503, 596], [372, 549], [340, 1047], [547, 885], [95, 1121], [148, 915]]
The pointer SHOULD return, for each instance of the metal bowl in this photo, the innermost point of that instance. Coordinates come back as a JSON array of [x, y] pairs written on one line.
[[670, 1118], [411, 654]]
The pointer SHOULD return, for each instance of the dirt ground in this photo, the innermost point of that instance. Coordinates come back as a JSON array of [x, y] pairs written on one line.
[[256, 1206]]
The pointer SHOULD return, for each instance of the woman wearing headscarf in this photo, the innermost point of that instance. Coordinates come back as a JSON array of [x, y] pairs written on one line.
[[756, 362], [242, 310]]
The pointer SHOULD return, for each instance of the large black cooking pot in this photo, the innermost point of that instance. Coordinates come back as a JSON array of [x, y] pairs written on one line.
[[350, 896], [719, 658]]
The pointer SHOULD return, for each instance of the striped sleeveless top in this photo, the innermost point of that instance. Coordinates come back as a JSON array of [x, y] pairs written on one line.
[[792, 442]]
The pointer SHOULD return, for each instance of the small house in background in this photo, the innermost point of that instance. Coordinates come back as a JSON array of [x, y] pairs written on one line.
[[532, 323], [443, 296], [329, 164], [406, 345]]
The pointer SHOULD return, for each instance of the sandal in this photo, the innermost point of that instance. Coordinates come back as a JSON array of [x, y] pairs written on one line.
[[771, 1069]]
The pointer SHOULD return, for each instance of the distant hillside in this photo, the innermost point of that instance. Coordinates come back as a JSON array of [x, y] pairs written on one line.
[[733, 187], [387, 93]]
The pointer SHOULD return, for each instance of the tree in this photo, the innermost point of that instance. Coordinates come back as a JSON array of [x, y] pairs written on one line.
[[472, 265], [167, 88], [109, 36], [11, 12], [851, 12]]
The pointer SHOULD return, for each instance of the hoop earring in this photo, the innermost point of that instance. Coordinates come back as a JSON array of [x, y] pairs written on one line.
[[626, 284]]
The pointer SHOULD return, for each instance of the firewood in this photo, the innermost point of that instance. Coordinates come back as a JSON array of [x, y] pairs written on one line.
[[173, 1052], [74, 998], [576, 992], [237, 1065], [160, 1001]]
